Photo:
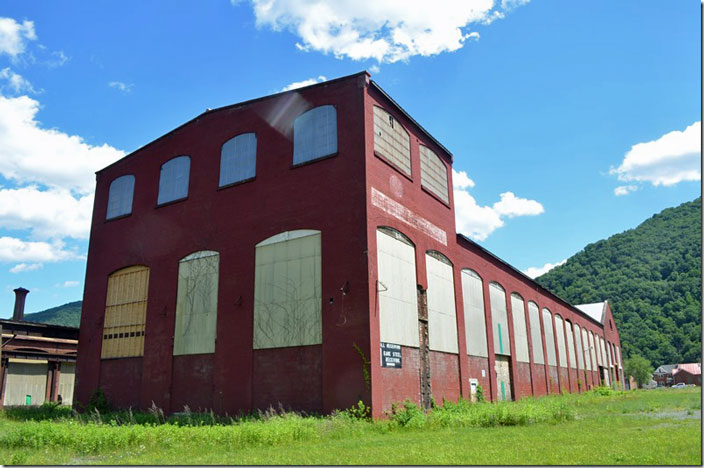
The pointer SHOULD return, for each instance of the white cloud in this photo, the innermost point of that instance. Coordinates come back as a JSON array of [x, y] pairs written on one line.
[[511, 206], [70, 284], [22, 267], [123, 87], [30, 154], [14, 36], [672, 158], [385, 30], [17, 250], [15, 83], [478, 221], [301, 84], [534, 272], [374, 69], [624, 190]]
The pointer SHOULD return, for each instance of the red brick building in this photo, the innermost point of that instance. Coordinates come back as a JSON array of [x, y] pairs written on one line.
[[300, 249]]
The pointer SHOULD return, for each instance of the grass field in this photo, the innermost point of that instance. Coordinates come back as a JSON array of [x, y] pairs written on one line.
[[634, 428]]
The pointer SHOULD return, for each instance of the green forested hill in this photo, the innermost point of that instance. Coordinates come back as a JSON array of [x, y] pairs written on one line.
[[651, 276], [67, 314]]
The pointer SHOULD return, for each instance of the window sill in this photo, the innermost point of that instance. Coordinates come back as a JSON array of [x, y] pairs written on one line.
[[234, 184], [171, 202], [305, 163], [115, 218]]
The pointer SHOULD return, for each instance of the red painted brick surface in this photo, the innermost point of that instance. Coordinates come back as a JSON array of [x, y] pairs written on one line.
[[399, 384], [476, 365], [522, 385], [192, 382], [120, 380], [444, 376], [539, 385]]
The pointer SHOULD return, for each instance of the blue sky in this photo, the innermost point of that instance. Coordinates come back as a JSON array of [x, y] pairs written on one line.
[[569, 121]]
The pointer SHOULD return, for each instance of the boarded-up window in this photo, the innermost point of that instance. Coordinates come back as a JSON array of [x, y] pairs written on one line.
[[519, 328], [570, 344], [560, 334], [442, 317], [602, 348], [120, 196], [173, 180], [287, 290], [587, 354], [197, 303], [549, 337], [535, 334], [67, 378], [433, 173], [391, 140], [608, 354], [25, 382], [499, 318], [474, 319], [396, 287], [315, 134], [238, 159], [579, 346], [618, 356], [593, 351], [125, 313]]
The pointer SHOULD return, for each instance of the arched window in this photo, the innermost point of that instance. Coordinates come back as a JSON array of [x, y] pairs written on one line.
[[396, 288], [579, 347], [197, 303], [315, 134], [120, 196], [587, 354], [391, 140], [173, 180], [536, 336], [560, 334], [519, 328], [287, 290], [433, 173], [238, 159], [594, 352], [570, 344], [499, 319], [549, 337], [125, 313], [442, 315], [474, 319]]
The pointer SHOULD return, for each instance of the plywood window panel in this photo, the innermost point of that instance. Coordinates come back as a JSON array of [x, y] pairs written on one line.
[[173, 179], [67, 379], [433, 173], [519, 328], [25, 382], [579, 346], [120, 196], [560, 334], [197, 303], [125, 313], [238, 159], [499, 318], [396, 288], [585, 344], [474, 318], [315, 134], [391, 140], [549, 337], [570, 345], [535, 334], [442, 315], [287, 290]]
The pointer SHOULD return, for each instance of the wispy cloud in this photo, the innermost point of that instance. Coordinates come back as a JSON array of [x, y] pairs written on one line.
[[122, 87], [301, 84], [673, 158], [383, 30], [14, 36], [22, 267], [13, 83], [534, 272], [622, 190], [477, 221]]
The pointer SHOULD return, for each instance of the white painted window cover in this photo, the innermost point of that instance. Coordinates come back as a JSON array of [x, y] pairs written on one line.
[[585, 351], [391, 140], [474, 313], [433, 173], [173, 179], [499, 318], [519, 328], [238, 159], [315, 134], [560, 334], [549, 337], [442, 315], [535, 333], [570, 344], [120, 196], [397, 288], [579, 347]]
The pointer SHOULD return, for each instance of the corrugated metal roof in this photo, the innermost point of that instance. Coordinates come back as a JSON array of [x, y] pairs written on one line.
[[692, 368]]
